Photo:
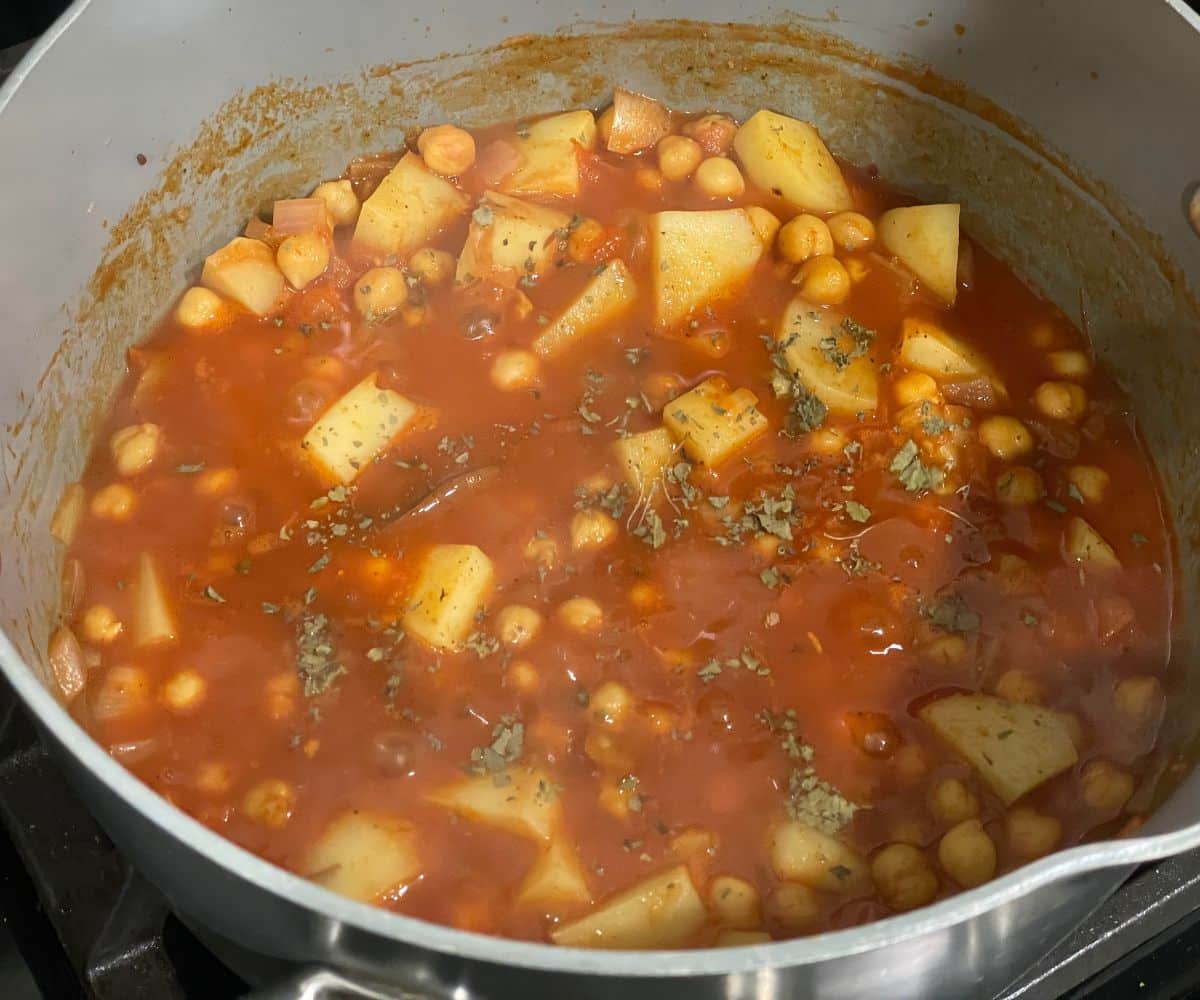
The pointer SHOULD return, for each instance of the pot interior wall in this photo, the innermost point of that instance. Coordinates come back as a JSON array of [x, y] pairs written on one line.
[[1023, 200]]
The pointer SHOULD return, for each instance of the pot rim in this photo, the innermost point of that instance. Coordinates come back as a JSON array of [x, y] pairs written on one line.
[[292, 888]]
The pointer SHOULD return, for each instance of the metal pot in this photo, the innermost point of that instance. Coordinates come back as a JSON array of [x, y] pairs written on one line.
[[1077, 173]]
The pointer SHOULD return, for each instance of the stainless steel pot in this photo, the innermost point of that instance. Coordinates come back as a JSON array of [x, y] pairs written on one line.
[[1077, 172]]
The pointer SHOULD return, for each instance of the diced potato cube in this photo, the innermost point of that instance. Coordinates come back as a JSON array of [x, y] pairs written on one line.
[[788, 157], [520, 800], [605, 298], [801, 853], [357, 428], [1014, 746], [245, 270], [153, 621], [549, 152], [364, 856], [924, 238], [556, 879], [698, 258], [411, 205], [663, 911], [928, 348], [713, 421], [644, 457], [510, 239], [1083, 543], [453, 584], [834, 367], [638, 122]]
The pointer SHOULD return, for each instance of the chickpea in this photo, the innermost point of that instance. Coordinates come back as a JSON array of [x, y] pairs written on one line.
[[802, 237], [610, 703], [1139, 698], [648, 178], [661, 718], [951, 801], [518, 625], [661, 387], [1020, 686], [200, 308], [735, 902], [184, 691], [581, 614], [827, 441], [270, 803], [214, 482], [1019, 486], [794, 906], [857, 268], [823, 280], [114, 502], [447, 149], [302, 258], [904, 877], [134, 448], [592, 529], [513, 370], [213, 777], [1106, 787], [523, 675], [947, 650], [340, 201], [433, 267], [718, 177], [910, 763], [601, 746], [1005, 437], [1069, 364], [913, 387], [678, 156], [543, 551], [1090, 480], [851, 230], [101, 625], [714, 133], [585, 239], [1061, 400], [967, 854], [1043, 335], [1031, 835], [644, 596], [765, 224], [380, 291]]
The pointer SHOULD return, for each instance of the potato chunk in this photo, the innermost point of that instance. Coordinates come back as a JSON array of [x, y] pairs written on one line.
[[453, 584], [663, 911], [644, 456], [153, 621], [519, 800], [713, 421], [357, 428], [1014, 747], [364, 855], [549, 153], [801, 853], [924, 238], [245, 270], [788, 157], [928, 348], [819, 347], [699, 258], [411, 204], [609, 294], [638, 122], [1083, 543], [510, 239], [556, 879]]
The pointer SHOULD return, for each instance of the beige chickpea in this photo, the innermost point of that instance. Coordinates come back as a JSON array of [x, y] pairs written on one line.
[[951, 801], [851, 230], [592, 529], [1043, 335], [114, 502], [380, 291], [794, 906], [184, 691], [302, 258], [1019, 486], [913, 387], [213, 777], [1020, 686], [718, 177], [581, 614], [434, 267], [270, 803], [602, 746], [661, 387], [1005, 437], [823, 280], [735, 902], [1090, 480], [1030, 834], [1069, 364], [645, 596], [340, 201], [518, 625], [948, 650], [1061, 400], [904, 877], [967, 854], [714, 133], [101, 625], [216, 481], [765, 224], [1105, 786], [513, 370], [802, 237], [200, 308], [447, 149], [610, 703], [678, 156], [1139, 698], [134, 448], [542, 551], [648, 178], [857, 268], [828, 441], [522, 675]]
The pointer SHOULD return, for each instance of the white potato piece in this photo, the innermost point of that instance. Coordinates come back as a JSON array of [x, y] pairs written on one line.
[[520, 800], [663, 911], [153, 620], [924, 238], [788, 157], [411, 205], [549, 155], [819, 349], [802, 853], [245, 271], [1014, 746], [699, 258], [453, 584], [638, 122], [359, 426], [926, 347], [510, 239], [1084, 544], [713, 421], [603, 300], [555, 879], [364, 856], [644, 456]]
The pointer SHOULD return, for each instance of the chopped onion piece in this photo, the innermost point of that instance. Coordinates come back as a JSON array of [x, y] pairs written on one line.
[[293, 216], [66, 662]]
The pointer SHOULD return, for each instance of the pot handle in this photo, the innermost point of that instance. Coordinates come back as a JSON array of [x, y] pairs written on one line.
[[316, 983]]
